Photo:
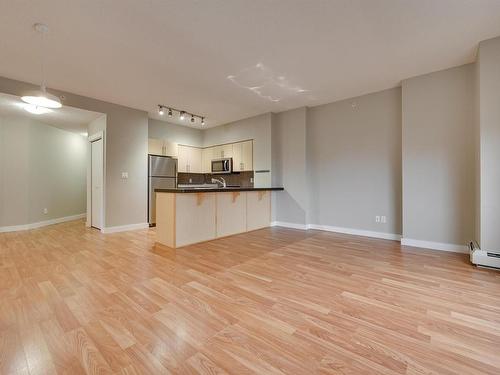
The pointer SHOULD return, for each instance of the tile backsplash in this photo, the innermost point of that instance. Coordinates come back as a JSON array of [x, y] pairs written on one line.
[[243, 179]]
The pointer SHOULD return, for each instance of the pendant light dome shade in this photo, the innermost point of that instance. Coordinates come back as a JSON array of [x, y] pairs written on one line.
[[36, 110], [42, 98]]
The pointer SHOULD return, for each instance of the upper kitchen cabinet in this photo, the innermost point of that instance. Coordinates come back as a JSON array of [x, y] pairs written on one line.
[[162, 147], [155, 146], [243, 156], [206, 160], [222, 151], [189, 159]]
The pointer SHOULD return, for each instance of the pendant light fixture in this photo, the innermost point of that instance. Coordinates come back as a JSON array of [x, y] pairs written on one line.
[[35, 109], [41, 98]]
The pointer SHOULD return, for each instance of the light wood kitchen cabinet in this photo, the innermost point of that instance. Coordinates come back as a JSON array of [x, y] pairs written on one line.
[[162, 147], [189, 159], [184, 219], [231, 213], [222, 151], [258, 209], [206, 160], [199, 160], [155, 146], [195, 160], [190, 217], [243, 156]]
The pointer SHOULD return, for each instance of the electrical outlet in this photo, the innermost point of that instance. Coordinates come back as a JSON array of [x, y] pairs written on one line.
[[190, 180], [45, 211], [251, 180], [383, 219], [377, 219]]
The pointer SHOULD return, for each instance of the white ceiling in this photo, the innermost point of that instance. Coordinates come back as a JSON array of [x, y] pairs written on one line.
[[67, 118], [233, 59]]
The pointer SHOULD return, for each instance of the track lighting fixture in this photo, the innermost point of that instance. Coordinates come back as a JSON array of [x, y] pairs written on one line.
[[182, 114]]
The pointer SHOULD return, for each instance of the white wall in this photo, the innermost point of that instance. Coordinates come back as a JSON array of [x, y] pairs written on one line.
[[489, 139], [354, 162], [126, 151], [439, 156], [289, 166], [40, 167], [175, 133]]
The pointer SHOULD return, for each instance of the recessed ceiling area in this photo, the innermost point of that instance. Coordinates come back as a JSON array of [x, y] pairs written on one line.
[[229, 60], [71, 119]]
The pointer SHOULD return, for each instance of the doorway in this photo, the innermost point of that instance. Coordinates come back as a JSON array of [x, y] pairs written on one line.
[[96, 183]]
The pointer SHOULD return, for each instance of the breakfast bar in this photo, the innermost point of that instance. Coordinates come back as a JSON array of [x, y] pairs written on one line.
[[186, 216]]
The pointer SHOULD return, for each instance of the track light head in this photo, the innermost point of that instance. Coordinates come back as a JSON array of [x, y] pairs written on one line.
[[170, 112], [192, 118], [160, 110], [182, 116], [203, 121]]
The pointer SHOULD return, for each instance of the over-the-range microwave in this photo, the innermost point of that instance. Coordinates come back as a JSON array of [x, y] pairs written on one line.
[[224, 165]]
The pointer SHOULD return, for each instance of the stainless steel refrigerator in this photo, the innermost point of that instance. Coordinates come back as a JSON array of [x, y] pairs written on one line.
[[162, 174]]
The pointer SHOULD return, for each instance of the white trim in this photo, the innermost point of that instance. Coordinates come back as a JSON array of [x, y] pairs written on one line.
[[96, 136], [124, 228], [328, 228], [435, 245], [15, 228], [356, 232], [288, 225], [99, 136]]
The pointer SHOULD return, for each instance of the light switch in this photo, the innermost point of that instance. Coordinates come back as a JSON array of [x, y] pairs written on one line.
[[124, 175]]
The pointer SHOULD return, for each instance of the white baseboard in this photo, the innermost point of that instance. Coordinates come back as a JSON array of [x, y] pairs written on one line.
[[328, 228], [289, 225], [435, 245], [124, 228], [356, 232], [15, 228]]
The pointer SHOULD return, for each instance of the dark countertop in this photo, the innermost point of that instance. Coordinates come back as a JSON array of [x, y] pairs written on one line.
[[217, 190]]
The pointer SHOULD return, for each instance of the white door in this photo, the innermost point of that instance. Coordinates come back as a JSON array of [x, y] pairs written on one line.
[[96, 184]]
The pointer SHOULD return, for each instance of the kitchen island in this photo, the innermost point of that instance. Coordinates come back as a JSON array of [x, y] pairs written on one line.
[[186, 216]]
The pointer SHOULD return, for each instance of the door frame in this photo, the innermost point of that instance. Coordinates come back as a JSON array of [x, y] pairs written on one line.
[[93, 138]]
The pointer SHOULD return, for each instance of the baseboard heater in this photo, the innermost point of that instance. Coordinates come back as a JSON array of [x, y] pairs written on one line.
[[482, 258]]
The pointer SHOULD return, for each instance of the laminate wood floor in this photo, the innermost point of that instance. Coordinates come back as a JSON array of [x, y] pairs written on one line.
[[274, 301]]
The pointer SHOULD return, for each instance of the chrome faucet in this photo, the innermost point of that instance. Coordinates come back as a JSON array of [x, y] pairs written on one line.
[[221, 181]]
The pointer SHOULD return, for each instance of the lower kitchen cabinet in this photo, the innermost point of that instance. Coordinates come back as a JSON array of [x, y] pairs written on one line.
[[231, 213], [258, 209], [187, 218], [195, 218]]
